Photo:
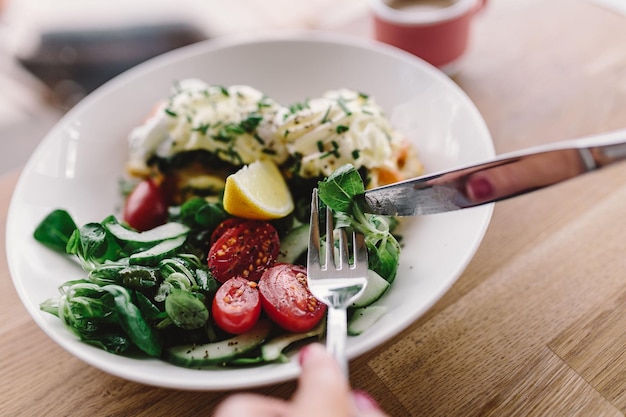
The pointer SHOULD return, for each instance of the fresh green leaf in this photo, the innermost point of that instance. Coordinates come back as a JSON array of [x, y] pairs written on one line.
[[111, 342], [147, 307], [55, 230], [93, 246], [132, 321], [338, 190], [185, 309], [383, 258]]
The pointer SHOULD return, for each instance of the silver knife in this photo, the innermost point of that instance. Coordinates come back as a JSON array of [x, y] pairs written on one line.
[[506, 176]]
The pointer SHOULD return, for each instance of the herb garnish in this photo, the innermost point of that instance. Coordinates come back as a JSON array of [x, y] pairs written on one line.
[[325, 118], [341, 129], [338, 192], [342, 103]]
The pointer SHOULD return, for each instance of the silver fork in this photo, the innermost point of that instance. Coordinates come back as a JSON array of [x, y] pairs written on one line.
[[337, 283]]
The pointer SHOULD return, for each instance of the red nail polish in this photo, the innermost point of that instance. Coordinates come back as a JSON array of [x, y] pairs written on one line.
[[479, 188], [363, 401]]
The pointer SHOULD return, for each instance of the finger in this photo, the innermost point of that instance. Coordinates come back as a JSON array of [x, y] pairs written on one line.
[[365, 405], [323, 390], [252, 405]]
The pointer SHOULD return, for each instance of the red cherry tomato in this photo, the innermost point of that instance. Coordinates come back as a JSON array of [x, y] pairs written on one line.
[[223, 226], [237, 306], [146, 206], [245, 250], [286, 298]]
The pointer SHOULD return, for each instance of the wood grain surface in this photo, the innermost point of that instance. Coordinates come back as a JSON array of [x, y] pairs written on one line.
[[535, 326]]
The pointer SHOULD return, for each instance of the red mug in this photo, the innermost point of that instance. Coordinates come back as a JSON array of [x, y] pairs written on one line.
[[435, 30]]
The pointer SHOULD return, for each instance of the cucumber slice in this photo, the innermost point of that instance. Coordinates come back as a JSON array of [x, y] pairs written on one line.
[[294, 244], [197, 356], [273, 349], [158, 252], [164, 232], [363, 318], [376, 287]]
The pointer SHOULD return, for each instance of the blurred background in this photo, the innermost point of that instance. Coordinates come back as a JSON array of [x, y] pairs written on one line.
[[54, 52]]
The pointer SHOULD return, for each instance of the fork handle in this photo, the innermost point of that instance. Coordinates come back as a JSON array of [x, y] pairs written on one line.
[[336, 335]]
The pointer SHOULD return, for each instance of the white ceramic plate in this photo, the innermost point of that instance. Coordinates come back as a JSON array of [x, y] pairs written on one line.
[[78, 164]]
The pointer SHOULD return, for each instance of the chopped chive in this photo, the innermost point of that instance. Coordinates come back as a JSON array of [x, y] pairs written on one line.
[[251, 123], [171, 112], [261, 104], [334, 152], [296, 107], [341, 129], [223, 136], [268, 151], [355, 154], [223, 90], [203, 128], [325, 118], [258, 139], [234, 129], [320, 146], [297, 165], [342, 103]]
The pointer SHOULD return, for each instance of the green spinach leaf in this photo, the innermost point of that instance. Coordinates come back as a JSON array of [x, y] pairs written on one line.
[[55, 230]]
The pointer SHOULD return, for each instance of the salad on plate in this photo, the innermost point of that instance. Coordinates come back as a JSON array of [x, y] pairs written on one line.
[[204, 264]]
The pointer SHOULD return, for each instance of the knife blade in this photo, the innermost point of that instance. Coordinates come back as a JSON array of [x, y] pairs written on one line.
[[503, 177]]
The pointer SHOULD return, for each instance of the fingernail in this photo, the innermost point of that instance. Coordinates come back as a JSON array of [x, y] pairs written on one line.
[[479, 188], [363, 401]]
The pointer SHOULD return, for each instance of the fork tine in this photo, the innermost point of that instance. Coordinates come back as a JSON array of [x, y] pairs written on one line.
[[313, 256], [360, 252], [344, 256], [329, 259]]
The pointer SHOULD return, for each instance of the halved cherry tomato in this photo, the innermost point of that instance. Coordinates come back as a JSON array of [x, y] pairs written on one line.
[[223, 226], [245, 250], [286, 298], [237, 306], [146, 206]]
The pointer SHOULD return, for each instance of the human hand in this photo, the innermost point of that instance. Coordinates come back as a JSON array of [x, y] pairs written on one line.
[[323, 390]]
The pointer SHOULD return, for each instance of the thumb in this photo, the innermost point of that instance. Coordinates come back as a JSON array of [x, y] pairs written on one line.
[[323, 390]]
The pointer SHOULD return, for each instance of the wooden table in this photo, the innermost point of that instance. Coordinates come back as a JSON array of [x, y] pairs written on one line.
[[535, 325]]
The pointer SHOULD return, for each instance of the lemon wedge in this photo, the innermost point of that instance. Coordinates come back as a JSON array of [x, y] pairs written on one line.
[[258, 191]]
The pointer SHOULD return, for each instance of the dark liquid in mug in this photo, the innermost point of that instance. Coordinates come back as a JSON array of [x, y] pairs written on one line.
[[419, 5]]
